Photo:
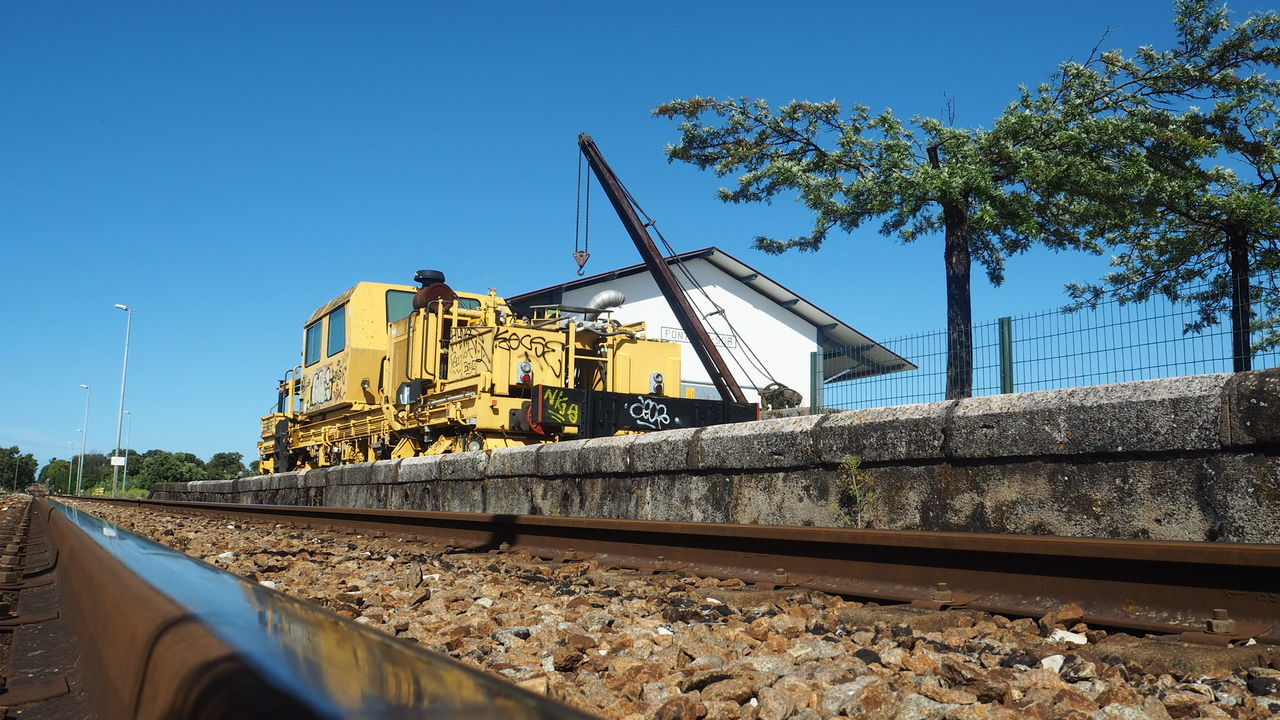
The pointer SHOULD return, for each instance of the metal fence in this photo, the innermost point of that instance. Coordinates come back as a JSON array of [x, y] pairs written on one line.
[[1109, 343]]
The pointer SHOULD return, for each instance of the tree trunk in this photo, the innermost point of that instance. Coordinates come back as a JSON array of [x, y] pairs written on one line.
[[955, 218], [1241, 307]]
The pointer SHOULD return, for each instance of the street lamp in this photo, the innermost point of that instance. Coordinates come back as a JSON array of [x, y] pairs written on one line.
[[128, 443], [70, 465], [116, 460], [71, 487], [84, 433]]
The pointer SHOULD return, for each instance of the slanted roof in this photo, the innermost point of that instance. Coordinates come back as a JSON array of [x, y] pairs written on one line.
[[848, 353]]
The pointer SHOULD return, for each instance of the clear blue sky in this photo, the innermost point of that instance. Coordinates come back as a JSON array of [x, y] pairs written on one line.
[[227, 167]]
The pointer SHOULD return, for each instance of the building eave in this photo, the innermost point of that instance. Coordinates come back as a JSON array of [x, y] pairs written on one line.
[[848, 353]]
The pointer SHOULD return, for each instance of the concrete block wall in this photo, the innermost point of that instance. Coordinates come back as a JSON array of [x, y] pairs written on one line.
[[1192, 458]]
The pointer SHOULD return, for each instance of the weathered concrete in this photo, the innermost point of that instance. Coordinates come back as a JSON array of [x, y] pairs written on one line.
[[882, 435], [777, 443], [1253, 413], [1152, 416], [1188, 458]]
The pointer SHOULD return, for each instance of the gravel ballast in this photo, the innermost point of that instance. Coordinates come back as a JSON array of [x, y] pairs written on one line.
[[623, 644]]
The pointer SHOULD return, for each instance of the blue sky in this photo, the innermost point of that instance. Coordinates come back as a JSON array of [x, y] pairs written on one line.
[[228, 167]]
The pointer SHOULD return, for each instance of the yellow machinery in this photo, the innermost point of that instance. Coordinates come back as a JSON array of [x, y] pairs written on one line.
[[393, 371]]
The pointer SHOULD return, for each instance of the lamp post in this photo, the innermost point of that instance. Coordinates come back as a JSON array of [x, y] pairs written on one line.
[[116, 461], [128, 442], [70, 465], [71, 489], [84, 433]]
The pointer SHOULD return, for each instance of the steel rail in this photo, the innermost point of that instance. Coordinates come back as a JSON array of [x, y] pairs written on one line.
[[164, 635], [1149, 586]]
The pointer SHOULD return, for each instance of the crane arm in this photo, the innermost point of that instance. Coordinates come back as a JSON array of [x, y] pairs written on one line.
[[712, 360]]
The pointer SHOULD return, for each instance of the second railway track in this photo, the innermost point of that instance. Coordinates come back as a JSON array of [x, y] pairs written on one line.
[[944, 617], [1148, 586]]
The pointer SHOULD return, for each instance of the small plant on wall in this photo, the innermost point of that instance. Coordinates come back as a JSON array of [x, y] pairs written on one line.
[[856, 489]]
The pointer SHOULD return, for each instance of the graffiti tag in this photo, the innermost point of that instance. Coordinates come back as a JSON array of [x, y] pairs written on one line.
[[469, 352], [324, 385], [649, 413], [548, 351], [558, 408]]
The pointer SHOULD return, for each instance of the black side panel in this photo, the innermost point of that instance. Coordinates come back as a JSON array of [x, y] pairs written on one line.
[[599, 414]]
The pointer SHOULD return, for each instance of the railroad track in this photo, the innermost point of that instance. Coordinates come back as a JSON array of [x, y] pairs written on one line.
[[1212, 593], [161, 634], [110, 625]]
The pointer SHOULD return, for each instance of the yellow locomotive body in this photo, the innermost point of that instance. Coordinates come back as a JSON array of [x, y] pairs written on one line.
[[397, 371]]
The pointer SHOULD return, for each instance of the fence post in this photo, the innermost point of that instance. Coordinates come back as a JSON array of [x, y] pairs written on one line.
[[1006, 354], [815, 382]]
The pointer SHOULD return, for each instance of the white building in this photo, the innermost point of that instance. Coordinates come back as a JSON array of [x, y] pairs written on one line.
[[766, 332]]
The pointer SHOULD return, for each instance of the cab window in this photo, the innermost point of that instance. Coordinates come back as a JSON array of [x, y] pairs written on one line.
[[312, 344], [399, 305], [337, 331], [468, 303]]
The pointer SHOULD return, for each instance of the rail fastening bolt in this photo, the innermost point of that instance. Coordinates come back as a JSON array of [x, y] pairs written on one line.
[[1221, 622], [941, 593]]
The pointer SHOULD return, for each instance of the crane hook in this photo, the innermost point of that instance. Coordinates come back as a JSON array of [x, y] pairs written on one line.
[[580, 257]]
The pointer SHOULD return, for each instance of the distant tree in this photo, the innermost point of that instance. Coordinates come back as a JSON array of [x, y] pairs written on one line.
[[97, 471], [135, 460], [96, 467], [225, 465], [145, 469], [254, 467], [159, 467], [54, 476], [189, 458], [17, 470]]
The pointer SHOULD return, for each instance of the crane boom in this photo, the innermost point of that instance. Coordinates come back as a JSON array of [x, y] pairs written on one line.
[[712, 360]]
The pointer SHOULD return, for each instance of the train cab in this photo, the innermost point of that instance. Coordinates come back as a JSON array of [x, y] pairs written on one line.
[[343, 345]]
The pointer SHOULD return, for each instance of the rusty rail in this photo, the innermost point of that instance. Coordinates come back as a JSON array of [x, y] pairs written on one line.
[[159, 634], [1149, 586]]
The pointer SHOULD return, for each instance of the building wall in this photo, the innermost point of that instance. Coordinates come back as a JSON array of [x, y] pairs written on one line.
[[781, 339]]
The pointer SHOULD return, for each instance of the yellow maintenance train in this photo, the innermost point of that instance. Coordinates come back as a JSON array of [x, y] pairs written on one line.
[[394, 371]]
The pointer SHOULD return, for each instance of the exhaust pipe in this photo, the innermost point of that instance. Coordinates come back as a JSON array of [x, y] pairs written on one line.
[[605, 300]]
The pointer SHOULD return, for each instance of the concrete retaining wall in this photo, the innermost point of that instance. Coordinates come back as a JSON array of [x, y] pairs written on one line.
[[1191, 458]]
